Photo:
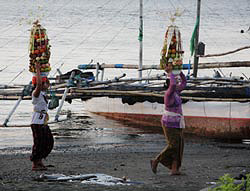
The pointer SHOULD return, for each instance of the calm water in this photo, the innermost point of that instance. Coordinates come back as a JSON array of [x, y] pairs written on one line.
[[107, 32], [82, 128]]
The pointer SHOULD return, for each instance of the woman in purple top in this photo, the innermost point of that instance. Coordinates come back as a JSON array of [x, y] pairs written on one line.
[[172, 124]]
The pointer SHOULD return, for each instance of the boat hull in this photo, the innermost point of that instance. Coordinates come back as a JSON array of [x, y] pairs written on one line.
[[208, 119]]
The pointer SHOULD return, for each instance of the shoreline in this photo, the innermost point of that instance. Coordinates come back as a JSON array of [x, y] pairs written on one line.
[[204, 161]]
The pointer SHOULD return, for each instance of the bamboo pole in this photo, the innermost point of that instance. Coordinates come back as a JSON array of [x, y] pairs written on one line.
[[157, 67], [141, 40], [204, 79], [225, 53], [118, 66], [63, 97], [13, 97], [28, 125], [24, 92], [224, 64], [12, 111], [119, 79], [216, 99], [112, 92], [76, 93], [196, 58]]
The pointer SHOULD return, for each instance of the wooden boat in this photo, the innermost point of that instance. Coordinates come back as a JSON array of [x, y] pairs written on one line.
[[210, 119], [211, 109], [218, 111]]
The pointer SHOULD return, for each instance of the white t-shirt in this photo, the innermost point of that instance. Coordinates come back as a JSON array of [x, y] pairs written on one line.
[[40, 108]]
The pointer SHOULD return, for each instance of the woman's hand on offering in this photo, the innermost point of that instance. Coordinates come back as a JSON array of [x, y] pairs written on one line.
[[38, 66]]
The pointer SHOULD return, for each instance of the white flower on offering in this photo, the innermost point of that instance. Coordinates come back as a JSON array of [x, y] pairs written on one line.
[[174, 15]]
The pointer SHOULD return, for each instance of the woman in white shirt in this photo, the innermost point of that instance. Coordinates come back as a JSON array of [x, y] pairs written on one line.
[[42, 137]]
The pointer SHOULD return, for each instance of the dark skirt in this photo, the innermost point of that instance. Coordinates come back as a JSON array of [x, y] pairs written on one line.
[[174, 149], [43, 142]]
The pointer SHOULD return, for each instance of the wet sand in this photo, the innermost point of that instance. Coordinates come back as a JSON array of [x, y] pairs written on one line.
[[204, 161]]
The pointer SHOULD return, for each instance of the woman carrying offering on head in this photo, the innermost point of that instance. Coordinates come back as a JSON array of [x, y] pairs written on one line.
[[172, 123], [42, 137]]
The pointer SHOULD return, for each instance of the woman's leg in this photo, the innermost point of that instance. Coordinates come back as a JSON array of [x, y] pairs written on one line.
[[37, 148], [171, 155], [154, 162], [48, 141], [177, 162]]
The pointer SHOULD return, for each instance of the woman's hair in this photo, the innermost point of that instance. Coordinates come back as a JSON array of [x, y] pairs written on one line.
[[34, 85], [33, 88], [167, 83], [47, 81]]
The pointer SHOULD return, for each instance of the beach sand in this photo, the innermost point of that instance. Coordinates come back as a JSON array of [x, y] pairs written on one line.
[[204, 161]]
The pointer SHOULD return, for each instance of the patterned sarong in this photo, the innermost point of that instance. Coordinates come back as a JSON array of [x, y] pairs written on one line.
[[174, 149], [43, 142]]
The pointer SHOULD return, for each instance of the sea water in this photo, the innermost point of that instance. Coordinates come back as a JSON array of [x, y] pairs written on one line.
[[83, 31]]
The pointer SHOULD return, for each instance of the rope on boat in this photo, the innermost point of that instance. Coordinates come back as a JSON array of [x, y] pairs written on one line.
[[16, 76], [3, 68], [14, 39], [93, 33], [121, 29], [64, 5]]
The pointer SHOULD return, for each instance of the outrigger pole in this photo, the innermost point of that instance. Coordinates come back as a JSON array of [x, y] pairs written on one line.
[[196, 57], [12, 111], [25, 92], [157, 66], [64, 96]]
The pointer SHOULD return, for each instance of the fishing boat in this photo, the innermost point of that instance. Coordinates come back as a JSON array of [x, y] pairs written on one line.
[[216, 110]]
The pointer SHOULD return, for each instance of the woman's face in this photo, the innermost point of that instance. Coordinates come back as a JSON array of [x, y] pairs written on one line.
[[169, 68]]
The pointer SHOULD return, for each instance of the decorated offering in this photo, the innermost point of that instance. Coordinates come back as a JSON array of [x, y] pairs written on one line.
[[172, 49], [39, 49]]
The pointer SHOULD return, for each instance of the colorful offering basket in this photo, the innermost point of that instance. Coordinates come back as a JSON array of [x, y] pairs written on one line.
[[39, 49], [172, 51]]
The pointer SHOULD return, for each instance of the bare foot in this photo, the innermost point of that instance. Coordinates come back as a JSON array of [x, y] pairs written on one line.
[[175, 173], [154, 164], [40, 163], [38, 166], [175, 169]]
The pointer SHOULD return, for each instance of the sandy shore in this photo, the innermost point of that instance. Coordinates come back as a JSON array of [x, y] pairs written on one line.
[[204, 161]]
